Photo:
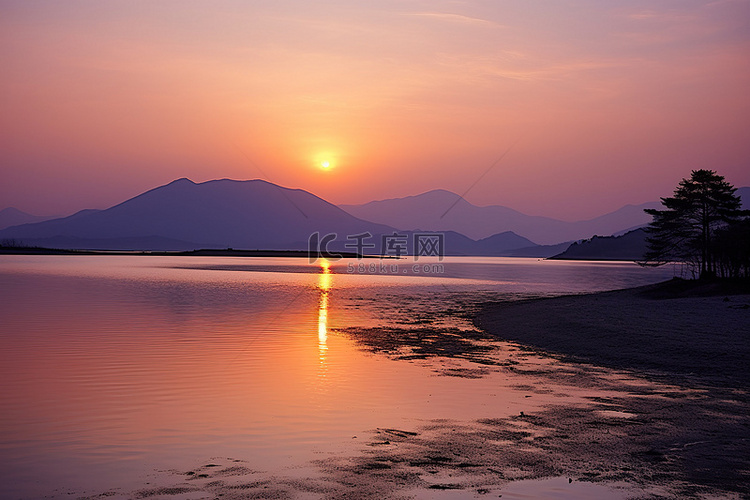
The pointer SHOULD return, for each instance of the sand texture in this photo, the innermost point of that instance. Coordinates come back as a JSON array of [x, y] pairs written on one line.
[[671, 329]]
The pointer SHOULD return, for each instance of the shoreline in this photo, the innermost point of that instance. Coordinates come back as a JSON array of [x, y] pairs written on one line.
[[674, 329], [205, 252]]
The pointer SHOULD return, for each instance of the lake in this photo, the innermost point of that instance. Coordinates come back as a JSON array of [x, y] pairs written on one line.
[[123, 371]]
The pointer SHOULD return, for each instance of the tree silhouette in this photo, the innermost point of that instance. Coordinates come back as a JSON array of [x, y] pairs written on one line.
[[732, 250], [702, 205]]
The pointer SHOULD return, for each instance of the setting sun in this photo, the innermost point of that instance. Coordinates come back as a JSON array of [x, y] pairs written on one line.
[[325, 165]]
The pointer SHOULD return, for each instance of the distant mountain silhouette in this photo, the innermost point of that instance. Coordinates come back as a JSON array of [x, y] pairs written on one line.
[[13, 217], [255, 214], [744, 194], [507, 240], [495, 245], [185, 215], [442, 210], [629, 246]]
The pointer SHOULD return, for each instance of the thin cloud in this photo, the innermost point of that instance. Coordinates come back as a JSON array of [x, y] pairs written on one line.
[[722, 2], [530, 69], [646, 14], [453, 18], [663, 16]]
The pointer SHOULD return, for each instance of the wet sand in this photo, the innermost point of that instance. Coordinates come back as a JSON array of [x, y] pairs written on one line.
[[673, 329], [694, 337]]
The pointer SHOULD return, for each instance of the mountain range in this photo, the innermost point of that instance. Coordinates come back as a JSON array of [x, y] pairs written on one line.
[[628, 246], [256, 214], [442, 210], [13, 217]]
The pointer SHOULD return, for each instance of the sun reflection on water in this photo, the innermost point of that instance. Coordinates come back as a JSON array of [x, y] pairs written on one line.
[[324, 285]]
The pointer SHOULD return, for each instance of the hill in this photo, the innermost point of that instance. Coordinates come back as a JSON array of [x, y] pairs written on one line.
[[253, 214], [13, 217], [442, 210], [185, 215], [629, 246]]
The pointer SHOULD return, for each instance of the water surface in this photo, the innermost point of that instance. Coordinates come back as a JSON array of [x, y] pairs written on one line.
[[117, 367]]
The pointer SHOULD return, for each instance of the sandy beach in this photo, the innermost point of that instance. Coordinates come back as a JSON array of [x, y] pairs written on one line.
[[673, 329], [693, 337]]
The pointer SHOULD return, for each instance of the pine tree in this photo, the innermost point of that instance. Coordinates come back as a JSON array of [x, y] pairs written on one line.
[[684, 231]]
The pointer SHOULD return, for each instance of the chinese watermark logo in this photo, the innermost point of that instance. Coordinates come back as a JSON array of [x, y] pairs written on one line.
[[429, 245], [359, 246]]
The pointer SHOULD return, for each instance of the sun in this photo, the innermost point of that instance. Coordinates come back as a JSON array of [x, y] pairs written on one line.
[[324, 160]]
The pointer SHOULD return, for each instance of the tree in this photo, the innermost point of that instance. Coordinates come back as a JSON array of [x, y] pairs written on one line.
[[702, 205], [732, 250]]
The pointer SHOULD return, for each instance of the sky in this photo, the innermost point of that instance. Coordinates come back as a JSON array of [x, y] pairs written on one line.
[[566, 108]]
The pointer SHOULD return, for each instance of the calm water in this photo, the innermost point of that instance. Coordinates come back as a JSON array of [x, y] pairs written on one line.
[[116, 368]]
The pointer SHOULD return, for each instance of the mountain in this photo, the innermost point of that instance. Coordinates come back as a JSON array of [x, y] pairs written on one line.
[[497, 244], [442, 210], [255, 214], [629, 246], [504, 241], [185, 215], [744, 194], [13, 217]]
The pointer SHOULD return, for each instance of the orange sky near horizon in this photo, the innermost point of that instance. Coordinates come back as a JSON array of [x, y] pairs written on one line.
[[601, 104]]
